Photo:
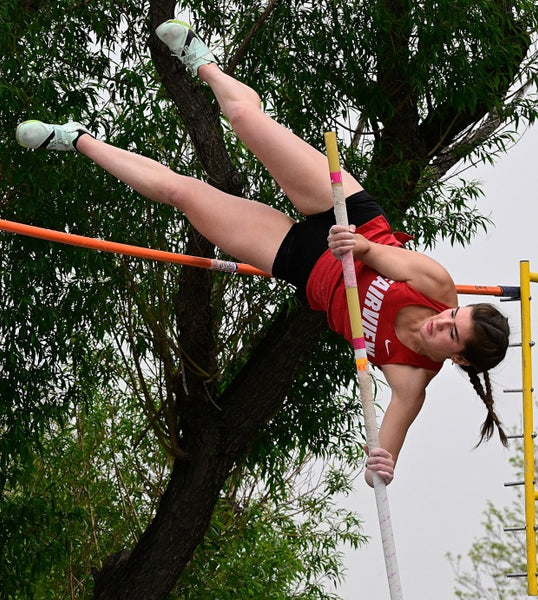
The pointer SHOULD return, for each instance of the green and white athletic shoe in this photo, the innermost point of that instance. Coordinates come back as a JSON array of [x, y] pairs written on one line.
[[185, 44], [36, 134]]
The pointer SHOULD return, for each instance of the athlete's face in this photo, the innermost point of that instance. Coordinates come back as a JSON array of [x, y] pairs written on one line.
[[445, 335]]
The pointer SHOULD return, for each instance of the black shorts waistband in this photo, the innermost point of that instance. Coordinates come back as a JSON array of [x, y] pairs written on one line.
[[306, 241]]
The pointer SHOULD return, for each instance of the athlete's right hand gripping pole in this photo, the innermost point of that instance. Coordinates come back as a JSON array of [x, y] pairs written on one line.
[[363, 372]]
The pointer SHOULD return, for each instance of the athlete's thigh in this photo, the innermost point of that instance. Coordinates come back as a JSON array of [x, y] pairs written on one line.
[[248, 230], [299, 169]]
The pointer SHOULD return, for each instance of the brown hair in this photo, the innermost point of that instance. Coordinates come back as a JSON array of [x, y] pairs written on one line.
[[485, 350]]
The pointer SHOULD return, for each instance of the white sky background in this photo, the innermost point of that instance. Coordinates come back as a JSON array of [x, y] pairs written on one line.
[[442, 484]]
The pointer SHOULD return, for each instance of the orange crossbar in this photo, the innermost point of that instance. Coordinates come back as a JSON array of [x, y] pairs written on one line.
[[489, 290], [105, 246], [52, 235]]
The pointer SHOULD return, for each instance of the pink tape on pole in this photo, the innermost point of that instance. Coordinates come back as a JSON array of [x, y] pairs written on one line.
[[336, 177], [348, 269], [359, 343]]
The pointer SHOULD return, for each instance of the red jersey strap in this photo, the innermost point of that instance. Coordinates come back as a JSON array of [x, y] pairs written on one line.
[[403, 237]]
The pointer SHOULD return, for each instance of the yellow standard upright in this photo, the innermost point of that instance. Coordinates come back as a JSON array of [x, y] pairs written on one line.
[[528, 436]]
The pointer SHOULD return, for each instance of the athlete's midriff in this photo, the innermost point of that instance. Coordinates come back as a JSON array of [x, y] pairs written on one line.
[[381, 299]]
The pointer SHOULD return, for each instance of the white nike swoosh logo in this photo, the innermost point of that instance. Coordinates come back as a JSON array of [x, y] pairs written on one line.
[[387, 342]]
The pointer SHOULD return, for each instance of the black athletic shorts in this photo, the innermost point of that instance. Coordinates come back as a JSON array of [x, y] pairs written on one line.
[[306, 241]]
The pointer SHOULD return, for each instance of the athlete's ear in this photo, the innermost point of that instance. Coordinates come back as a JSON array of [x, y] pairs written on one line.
[[459, 360]]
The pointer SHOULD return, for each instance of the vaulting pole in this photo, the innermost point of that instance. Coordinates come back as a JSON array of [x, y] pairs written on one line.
[[363, 371]]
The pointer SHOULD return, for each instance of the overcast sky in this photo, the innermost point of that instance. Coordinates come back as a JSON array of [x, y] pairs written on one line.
[[442, 484]]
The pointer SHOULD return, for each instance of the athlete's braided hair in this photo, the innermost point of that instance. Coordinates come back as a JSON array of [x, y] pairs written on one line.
[[484, 351]]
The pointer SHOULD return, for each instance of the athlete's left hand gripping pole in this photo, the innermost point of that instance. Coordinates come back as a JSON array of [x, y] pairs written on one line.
[[363, 371]]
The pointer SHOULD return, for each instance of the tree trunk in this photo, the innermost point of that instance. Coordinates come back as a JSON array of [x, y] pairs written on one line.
[[223, 437]]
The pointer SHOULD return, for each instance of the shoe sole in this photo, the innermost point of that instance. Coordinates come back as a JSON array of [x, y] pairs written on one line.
[[179, 22], [19, 127]]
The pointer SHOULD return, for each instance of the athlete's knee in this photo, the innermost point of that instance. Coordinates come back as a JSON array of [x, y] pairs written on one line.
[[175, 191], [241, 111]]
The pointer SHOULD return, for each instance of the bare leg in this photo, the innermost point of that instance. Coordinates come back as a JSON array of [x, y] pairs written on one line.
[[250, 231], [300, 170]]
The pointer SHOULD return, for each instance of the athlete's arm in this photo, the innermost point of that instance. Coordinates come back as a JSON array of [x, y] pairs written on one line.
[[418, 270], [408, 385]]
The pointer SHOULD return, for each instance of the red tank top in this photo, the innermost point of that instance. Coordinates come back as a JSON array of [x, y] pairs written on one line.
[[381, 299]]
